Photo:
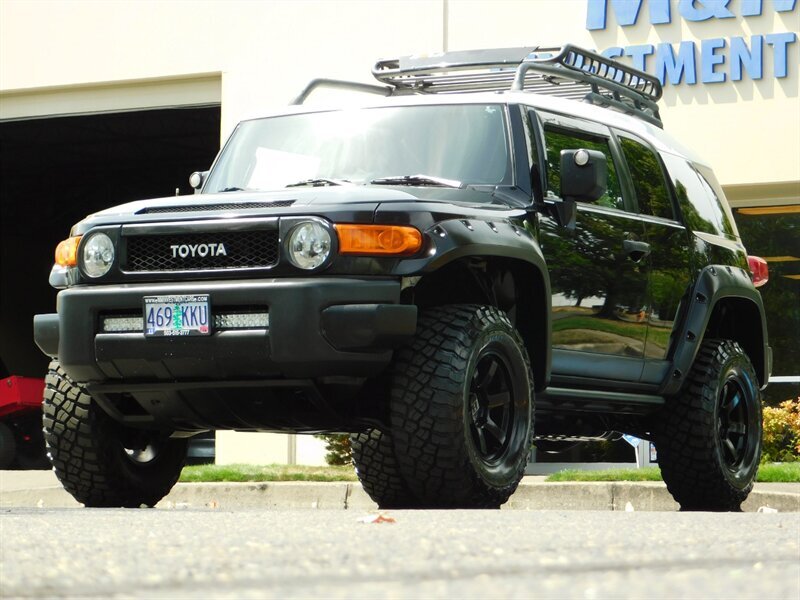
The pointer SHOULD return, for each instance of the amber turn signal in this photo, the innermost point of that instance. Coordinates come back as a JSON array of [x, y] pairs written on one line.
[[67, 252], [378, 239]]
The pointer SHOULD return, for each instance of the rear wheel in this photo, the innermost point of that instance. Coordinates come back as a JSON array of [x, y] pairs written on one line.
[[461, 408], [377, 470], [100, 462], [709, 437]]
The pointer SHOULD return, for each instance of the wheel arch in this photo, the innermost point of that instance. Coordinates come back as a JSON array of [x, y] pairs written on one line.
[[725, 305], [518, 287], [728, 320]]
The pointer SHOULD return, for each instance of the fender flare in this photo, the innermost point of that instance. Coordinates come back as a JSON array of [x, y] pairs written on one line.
[[714, 284], [456, 239]]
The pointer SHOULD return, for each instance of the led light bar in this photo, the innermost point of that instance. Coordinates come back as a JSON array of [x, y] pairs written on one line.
[[135, 323], [241, 320], [121, 324]]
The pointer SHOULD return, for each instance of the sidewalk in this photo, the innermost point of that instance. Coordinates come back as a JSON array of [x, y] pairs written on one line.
[[41, 489]]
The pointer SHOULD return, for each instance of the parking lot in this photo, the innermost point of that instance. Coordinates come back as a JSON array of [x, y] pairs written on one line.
[[258, 553]]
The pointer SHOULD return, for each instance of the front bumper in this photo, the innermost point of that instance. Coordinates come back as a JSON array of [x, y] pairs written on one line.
[[317, 327]]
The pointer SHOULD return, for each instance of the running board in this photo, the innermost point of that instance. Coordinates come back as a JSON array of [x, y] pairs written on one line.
[[575, 400]]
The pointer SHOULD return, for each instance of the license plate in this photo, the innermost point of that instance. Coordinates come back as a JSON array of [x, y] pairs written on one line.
[[176, 315]]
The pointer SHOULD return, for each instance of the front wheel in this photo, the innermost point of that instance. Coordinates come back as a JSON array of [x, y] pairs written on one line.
[[377, 470], [462, 408], [99, 461], [709, 437]]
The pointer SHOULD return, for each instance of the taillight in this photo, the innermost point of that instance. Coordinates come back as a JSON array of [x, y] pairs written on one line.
[[759, 270]]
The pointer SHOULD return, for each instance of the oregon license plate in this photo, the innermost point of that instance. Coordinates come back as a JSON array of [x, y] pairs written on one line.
[[176, 315]]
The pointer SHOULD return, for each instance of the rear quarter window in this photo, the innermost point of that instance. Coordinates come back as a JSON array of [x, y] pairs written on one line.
[[648, 181], [701, 201]]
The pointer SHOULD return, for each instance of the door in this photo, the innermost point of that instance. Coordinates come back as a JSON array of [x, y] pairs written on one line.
[[597, 269], [668, 264]]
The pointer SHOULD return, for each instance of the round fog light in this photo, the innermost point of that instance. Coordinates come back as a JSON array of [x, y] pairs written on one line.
[[309, 245], [98, 255]]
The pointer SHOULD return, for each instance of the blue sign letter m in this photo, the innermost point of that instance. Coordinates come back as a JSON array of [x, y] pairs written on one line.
[[626, 11]]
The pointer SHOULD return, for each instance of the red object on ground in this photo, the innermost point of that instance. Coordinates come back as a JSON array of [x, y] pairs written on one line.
[[20, 394]]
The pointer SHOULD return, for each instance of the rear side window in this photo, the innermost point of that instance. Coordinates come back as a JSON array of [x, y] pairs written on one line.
[[702, 208], [560, 139], [648, 179], [714, 191]]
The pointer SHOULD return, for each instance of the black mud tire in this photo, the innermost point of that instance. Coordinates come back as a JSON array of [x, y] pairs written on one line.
[[88, 455], [709, 437], [8, 447], [462, 408], [378, 472]]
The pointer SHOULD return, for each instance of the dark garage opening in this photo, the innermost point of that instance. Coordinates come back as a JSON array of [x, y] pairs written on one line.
[[55, 171]]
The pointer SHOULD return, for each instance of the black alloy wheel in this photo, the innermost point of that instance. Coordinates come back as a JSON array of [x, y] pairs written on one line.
[[491, 406], [461, 408], [709, 436], [733, 430]]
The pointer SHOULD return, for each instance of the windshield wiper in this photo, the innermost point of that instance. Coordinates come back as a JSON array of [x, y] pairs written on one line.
[[319, 182], [417, 180], [232, 189]]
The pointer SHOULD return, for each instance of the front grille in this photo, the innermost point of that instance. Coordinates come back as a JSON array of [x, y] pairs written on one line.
[[173, 252], [201, 207]]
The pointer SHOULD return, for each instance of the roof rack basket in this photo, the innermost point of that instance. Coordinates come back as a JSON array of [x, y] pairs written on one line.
[[567, 72]]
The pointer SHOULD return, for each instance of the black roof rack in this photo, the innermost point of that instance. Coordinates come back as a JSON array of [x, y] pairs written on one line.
[[568, 72]]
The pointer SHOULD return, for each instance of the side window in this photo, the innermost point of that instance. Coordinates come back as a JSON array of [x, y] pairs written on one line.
[[648, 179], [717, 199], [562, 139], [701, 207]]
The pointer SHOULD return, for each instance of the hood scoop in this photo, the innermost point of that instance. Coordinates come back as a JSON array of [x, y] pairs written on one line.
[[180, 208]]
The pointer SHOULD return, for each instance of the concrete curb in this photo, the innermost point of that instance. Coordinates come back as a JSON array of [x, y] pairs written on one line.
[[611, 496], [615, 496]]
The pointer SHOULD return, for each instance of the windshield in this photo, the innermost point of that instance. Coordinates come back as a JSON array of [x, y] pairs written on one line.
[[461, 143]]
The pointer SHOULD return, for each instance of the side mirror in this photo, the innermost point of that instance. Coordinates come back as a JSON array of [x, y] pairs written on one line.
[[584, 175], [197, 179]]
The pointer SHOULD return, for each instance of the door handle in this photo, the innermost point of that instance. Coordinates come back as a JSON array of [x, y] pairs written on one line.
[[636, 251]]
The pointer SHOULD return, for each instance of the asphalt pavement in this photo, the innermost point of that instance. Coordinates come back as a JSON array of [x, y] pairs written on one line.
[[41, 489], [260, 553]]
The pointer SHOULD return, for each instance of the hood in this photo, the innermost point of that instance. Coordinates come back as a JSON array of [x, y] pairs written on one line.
[[361, 198], [267, 200]]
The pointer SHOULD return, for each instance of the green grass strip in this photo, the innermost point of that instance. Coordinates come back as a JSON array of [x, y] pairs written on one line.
[[770, 472], [767, 473], [779, 472], [644, 474], [222, 473]]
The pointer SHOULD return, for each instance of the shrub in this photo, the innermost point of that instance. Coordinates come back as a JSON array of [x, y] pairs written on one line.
[[338, 447], [782, 432]]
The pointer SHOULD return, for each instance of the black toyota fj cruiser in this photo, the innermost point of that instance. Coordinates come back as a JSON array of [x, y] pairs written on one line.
[[427, 272]]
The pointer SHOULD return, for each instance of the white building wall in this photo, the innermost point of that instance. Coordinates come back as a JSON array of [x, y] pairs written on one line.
[[69, 56], [266, 51], [268, 448]]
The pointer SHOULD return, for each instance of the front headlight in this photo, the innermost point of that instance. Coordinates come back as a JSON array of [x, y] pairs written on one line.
[[98, 255], [309, 245]]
